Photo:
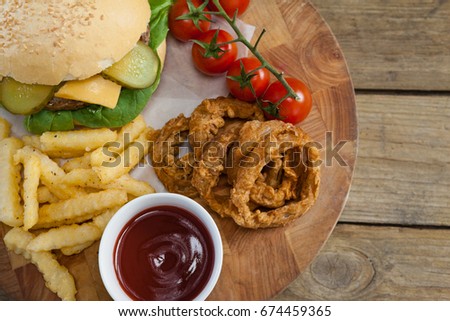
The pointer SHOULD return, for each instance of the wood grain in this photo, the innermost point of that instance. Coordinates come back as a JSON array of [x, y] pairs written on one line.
[[9, 286], [403, 172], [379, 263], [401, 178], [393, 44], [260, 263]]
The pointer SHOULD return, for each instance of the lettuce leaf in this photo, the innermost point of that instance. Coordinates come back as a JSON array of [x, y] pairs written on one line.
[[131, 101], [159, 21], [47, 120]]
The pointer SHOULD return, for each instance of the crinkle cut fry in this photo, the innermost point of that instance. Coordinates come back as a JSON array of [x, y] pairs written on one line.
[[57, 278]]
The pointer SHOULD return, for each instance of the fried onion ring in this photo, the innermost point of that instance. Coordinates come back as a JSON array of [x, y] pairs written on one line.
[[209, 176], [259, 173], [211, 115], [298, 189], [274, 178], [173, 169]]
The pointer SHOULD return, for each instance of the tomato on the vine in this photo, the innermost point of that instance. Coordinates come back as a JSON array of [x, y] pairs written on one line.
[[289, 110], [230, 6], [247, 79], [193, 22], [213, 53]]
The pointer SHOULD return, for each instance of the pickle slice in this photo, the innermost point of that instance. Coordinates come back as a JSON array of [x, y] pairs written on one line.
[[24, 99], [137, 70]]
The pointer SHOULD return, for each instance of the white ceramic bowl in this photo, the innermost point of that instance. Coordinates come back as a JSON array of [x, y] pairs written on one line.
[[129, 211]]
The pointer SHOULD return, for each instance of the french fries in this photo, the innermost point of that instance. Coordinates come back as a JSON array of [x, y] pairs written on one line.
[[100, 221], [57, 277], [126, 160], [17, 240], [78, 209], [64, 236], [128, 134], [68, 236], [45, 196], [59, 190], [11, 211], [76, 249], [88, 178], [32, 141], [51, 172], [75, 143], [132, 186], [78, 162], [31, 176]]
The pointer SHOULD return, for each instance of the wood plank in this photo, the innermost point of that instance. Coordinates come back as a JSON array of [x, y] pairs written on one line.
[[402, 172], [379, 263], [393, 44], [10, 289]]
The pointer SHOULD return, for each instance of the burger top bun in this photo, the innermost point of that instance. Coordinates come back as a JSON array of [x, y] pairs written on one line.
[[49, 41]]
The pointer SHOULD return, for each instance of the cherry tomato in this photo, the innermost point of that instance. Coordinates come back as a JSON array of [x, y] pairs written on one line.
[[243, 74], [290, 110], [230, 6], [217, 57], [186, 29]]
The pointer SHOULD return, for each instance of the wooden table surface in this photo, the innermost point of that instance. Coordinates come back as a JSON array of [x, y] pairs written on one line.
[[392, 241]]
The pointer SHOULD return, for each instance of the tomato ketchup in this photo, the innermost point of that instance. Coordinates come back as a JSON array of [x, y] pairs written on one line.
[[164, 253]]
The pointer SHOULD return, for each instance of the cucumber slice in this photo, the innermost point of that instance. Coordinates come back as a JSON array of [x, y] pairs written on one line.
[[24, 99], [137, 70]]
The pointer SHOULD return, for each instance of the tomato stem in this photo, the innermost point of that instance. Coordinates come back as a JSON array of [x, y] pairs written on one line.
[[228, 42], [195, 14], [259, 38], [245, 78], [241, 38]]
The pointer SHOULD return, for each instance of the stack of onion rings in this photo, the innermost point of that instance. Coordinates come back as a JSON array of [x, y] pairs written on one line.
[[174, 169], [260, 173]]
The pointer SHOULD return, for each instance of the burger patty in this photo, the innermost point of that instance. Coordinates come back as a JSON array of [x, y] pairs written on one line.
[[145, 37], [64, 104], [67, 104]]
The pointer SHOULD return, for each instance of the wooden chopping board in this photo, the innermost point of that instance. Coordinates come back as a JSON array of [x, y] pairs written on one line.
[[258, 264]]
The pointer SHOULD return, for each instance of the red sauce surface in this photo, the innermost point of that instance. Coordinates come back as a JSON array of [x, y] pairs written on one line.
[[164, 253]]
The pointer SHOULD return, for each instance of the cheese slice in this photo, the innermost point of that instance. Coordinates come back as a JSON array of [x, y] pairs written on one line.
[[94, 90]]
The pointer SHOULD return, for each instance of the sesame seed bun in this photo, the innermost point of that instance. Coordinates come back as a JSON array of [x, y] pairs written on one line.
[[47, 42]]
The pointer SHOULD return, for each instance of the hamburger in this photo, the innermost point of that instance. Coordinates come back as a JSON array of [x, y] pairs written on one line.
[[93, 63]]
